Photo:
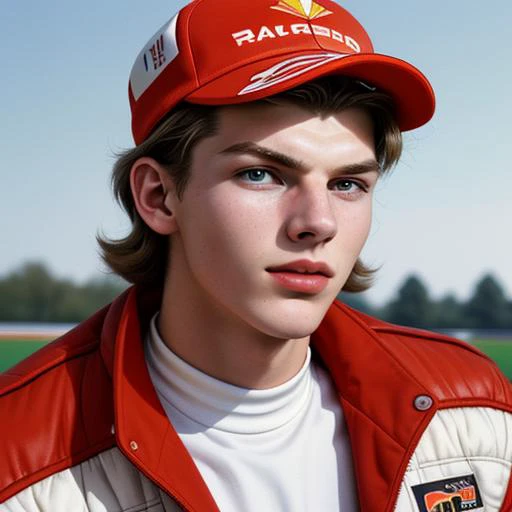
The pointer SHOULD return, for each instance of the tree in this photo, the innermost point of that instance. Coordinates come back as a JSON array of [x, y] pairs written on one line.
[[448, 313], [412, 307], [488, 307], [32, 294], [27, 293]]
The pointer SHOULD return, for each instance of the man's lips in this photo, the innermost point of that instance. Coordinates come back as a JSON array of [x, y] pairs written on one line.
[[304, 267], [303, 276]]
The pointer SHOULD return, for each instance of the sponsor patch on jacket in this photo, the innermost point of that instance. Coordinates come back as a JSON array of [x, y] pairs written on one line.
[[454, 494]]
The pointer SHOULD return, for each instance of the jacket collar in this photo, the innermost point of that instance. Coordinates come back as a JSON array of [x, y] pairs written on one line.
[[376, 393]]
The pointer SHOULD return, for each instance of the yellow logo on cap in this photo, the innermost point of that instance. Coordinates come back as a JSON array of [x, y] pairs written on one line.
[[306, 9]]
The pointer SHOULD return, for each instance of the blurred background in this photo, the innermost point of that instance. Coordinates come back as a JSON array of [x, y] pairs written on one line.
[[441, 232]]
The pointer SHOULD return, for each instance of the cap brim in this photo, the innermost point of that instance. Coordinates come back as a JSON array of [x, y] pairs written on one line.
[[410, 90]]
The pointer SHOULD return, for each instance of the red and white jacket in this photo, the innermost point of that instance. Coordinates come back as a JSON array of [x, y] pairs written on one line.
[[82, 429]]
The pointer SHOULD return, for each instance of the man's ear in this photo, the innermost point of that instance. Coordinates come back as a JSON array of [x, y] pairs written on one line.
[[154, 195]]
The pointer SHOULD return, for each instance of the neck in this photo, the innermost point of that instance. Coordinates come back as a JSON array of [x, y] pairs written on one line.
[[211, 340]]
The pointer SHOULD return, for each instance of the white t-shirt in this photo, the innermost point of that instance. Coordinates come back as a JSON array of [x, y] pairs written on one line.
[[279, 449]]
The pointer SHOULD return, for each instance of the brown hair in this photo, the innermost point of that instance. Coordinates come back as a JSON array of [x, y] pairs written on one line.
[[141, 256]]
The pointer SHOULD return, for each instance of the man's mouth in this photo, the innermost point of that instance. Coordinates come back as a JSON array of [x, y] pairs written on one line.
[[302, 276], [304, 267]]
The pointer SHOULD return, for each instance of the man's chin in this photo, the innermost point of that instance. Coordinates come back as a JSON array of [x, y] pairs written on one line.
[[293, 330], [290, 318]]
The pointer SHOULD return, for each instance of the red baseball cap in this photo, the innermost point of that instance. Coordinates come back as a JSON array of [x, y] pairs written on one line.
[[221, 52]]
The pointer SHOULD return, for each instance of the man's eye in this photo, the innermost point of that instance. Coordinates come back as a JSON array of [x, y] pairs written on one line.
[[348, 186], [257, 175]]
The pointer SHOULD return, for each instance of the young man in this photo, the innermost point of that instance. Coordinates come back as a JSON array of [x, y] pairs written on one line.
[[227, 378]]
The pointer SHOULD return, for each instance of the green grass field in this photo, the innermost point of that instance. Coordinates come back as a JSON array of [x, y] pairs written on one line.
[[12, 351], [500, 351]]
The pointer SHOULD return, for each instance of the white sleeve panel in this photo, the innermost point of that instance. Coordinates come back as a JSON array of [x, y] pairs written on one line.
[[107, 482], [458, 442]]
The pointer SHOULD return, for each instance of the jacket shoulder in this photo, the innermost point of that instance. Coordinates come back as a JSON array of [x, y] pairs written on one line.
[[455, 371], [56, 408]]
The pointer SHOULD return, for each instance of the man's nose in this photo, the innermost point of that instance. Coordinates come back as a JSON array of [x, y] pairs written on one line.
[[312, 215]]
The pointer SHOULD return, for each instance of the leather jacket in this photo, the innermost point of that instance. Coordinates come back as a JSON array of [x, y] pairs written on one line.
[[429, 420]]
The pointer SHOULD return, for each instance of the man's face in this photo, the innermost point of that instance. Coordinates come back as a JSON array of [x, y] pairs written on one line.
[[274, 216]]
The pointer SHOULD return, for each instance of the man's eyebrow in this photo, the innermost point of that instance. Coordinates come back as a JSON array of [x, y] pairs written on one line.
[[361, 167], [252, 148]]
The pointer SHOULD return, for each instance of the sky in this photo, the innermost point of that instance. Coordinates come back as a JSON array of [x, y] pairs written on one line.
[[445, 212]]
